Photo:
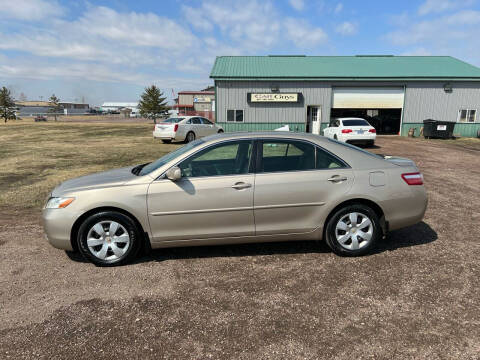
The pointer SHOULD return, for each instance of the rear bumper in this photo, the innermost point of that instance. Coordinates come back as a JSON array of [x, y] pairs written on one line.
[[412, 209], [167, 135], [357, 138]]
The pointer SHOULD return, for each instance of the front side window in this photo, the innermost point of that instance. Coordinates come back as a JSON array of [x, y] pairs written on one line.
[[230, 158], [235, 115], [467, 115], [287, 155], [169, 157]]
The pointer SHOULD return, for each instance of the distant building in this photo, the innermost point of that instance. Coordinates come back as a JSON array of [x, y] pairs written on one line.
[[119, 106], [196, 103], [70, 108], [34, 108]]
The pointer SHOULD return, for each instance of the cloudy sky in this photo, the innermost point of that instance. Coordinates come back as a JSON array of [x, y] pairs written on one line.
[[110, 50]]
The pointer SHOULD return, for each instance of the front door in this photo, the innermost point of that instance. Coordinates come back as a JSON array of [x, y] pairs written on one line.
[[213, 199], [294, 186]]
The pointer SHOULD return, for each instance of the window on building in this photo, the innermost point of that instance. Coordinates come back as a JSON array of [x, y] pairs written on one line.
[[235, 115], [467, 115]]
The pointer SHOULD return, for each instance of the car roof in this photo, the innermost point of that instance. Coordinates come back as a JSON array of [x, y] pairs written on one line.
[[266, 134], [351, 118]]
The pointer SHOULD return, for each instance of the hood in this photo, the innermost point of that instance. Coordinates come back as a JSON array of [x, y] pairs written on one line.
[[114, 177]]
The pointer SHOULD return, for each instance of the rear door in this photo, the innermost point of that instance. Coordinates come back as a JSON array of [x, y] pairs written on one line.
[[295, 182], [208, 126], [198, 127]]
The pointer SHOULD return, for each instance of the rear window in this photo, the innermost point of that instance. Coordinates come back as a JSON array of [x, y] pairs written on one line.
[[353, 147], [355, 122], [173, 120]]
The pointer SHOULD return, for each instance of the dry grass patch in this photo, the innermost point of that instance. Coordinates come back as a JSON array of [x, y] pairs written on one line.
[[35, 157]]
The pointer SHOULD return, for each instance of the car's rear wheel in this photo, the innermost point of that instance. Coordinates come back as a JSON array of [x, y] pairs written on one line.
[[166, 141], [335, 137], [353, 230], [220, 131], [109, 238], [190, 137]]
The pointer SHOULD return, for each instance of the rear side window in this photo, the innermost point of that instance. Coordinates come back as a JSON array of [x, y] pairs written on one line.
[[325, 160], [286, 155], [206, 121], [196, 121]]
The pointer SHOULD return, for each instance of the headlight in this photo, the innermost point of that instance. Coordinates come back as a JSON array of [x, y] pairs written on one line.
[[58, 202]]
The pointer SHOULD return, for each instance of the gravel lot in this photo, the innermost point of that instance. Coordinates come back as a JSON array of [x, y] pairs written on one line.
[[416, 297]]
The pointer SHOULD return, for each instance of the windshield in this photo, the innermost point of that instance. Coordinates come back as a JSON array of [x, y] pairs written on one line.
[[353, 147], [355, 122], [172, 120], [147, 169]]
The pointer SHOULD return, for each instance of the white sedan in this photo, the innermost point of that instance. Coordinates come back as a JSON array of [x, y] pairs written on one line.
[[185, 128], [351, 130]]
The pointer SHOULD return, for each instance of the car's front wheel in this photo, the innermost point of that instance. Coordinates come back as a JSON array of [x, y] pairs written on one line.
[[353, 230], [109, 238], [220, 131]]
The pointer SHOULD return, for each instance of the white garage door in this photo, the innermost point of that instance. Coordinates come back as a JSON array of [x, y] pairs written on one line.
[[367, 98]]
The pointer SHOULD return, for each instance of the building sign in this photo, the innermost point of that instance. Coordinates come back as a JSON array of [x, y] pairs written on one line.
[[274, 97], [202, 99]]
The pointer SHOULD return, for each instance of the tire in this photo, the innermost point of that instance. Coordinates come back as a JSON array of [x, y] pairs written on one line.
[[167, 141], [220, 131], [340, 235], [190, 137], [335, 137], [371, 143], [127, 244]]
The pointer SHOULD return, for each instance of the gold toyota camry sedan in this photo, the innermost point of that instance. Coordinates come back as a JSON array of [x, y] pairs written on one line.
[[238, 188]]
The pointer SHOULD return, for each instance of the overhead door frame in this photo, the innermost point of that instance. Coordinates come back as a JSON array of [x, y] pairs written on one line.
[[360, 97]]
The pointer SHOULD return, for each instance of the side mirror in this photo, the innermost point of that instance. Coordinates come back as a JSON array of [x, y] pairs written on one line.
[[174, 173]]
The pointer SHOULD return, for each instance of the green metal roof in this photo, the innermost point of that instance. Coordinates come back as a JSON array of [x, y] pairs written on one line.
[[351, 68]]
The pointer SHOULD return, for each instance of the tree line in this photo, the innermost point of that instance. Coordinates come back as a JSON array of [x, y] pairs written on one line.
[[152, 104]]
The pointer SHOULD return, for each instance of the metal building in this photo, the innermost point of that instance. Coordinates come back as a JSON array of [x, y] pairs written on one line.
[[394, 93]]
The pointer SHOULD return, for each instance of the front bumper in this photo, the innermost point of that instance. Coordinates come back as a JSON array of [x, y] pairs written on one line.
[[57, 224]]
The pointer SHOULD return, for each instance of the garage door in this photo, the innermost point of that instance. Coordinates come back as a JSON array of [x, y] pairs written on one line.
[[367, 98]]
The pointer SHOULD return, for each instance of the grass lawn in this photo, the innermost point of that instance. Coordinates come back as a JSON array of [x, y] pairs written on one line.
[[35, 157]]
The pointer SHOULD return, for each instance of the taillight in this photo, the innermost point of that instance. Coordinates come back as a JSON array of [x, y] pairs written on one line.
[[175, 128], [413, 178], [372, 131], [346, 131]]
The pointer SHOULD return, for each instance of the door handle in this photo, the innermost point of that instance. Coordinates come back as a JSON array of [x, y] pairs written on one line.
[[337, 179], [241, 185]]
